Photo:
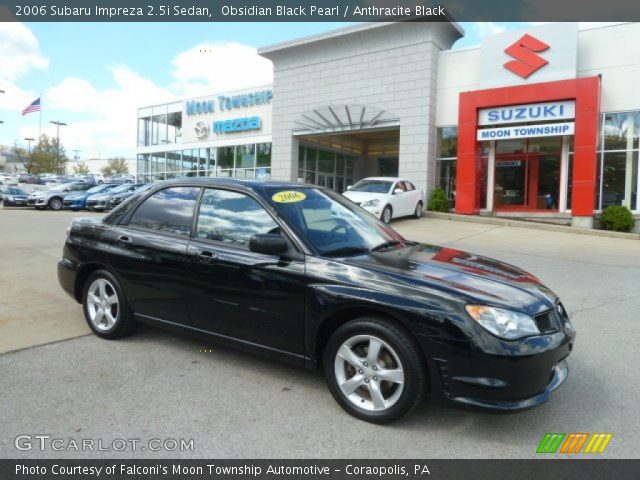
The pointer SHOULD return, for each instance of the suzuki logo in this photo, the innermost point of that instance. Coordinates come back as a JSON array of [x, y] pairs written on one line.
[[526, 61]]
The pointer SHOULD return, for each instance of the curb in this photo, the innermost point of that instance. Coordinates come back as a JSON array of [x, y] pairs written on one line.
[[506, 222]]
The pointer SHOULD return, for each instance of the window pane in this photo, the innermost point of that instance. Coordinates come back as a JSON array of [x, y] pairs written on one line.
[[616, 186], [232, 218], [447, 177], [326, 162], [621, 130], [168, 210], [447, 142], [545, 144], [225, 157], [245, 156], [511, 146], [311, 160], [263, 155]]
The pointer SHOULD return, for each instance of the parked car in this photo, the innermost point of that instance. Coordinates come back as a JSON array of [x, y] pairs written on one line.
[[300, 273], [25, 177], [102, 201], [121, 178], [78, 200], [8, 179], [13, 197], [119, 198], [53, 197], [387, 197]]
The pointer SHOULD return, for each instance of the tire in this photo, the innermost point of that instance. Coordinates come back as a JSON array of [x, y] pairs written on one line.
[[387, 214], [398, 351], [417, 213], [113, 321], [55, 203]]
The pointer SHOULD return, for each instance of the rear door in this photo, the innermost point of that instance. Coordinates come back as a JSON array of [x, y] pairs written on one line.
[[237, 293], [149, 254]]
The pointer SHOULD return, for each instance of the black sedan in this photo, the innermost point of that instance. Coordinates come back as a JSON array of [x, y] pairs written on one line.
[[13, 197], [298, 272]]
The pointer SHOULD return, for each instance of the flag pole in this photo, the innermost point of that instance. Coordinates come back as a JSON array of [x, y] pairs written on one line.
[[40, 129]]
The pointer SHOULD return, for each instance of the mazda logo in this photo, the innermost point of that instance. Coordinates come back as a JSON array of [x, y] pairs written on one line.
[[202, 130]]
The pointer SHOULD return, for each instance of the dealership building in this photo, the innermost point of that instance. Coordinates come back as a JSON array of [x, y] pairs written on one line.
[[542, 123]]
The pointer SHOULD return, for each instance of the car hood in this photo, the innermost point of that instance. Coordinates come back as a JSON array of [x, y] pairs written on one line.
[[359, 197], [453, 272]]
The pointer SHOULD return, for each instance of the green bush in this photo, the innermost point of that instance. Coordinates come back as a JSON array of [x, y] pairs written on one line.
[[438, 201], [617, 218]]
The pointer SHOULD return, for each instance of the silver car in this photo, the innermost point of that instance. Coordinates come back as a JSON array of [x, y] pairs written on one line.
[[52, 197]]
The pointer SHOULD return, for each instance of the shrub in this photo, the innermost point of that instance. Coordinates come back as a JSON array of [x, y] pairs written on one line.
[[617, 218], [438, 201]]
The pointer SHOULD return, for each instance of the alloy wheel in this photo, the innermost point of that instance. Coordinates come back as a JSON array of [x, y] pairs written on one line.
[[56, 204], [369, 373], [102, 304], [386, 215]]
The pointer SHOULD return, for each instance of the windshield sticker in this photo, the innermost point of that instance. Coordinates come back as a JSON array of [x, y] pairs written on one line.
[[288, 196]]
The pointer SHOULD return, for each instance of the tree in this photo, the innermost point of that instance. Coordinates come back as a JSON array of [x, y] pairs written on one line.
[[48, 156], [115, 166], [80, 168]]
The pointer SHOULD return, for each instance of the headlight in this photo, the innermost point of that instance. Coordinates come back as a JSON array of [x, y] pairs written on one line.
[[10, 198], [371, 203], [503, 323]]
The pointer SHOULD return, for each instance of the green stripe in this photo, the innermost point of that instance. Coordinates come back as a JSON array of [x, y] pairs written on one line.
[[551, 442]]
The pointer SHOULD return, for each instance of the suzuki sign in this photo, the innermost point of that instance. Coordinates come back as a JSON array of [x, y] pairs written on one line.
[[538, 54], [533, 112]]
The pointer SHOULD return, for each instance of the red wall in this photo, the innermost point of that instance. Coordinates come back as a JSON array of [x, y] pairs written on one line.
[[585, 92]]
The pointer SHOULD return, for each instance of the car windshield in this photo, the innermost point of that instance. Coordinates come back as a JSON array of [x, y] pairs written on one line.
[[14, 191], [330, 223], [63, 186], [372, 186], [100, 188], [120, 188]]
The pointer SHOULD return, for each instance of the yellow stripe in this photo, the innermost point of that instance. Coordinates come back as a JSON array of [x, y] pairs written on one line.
[[606, 442], [596, 445], [583, 438], [590, 444]]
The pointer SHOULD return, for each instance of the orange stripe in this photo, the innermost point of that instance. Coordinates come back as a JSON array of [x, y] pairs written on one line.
[[581, 442], [570, 439]]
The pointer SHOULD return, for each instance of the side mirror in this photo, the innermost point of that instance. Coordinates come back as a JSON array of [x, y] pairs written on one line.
[[348, 187], [268, 244], [67, 190], [398, 191]]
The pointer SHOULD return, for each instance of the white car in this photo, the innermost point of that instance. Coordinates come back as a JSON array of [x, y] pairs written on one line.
[[387, 197]]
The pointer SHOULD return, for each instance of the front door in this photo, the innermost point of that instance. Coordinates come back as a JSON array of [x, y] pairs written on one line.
[[237, 293], [528, 179]]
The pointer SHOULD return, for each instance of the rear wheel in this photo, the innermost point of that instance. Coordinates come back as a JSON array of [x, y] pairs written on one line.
[[386, 214], [55, 203], [374, 370], [417, 213], [105, 308]]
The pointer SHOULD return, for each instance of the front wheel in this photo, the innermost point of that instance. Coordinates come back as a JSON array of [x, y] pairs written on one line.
[[55, 203], [374, 370], [417, 213], [386, 214], [105, 308]]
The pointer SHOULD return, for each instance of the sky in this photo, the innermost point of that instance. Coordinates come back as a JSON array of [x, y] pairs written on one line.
[[94, 76]]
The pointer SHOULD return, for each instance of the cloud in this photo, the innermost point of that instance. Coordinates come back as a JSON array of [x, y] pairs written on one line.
[[19, 54], [218, 67]]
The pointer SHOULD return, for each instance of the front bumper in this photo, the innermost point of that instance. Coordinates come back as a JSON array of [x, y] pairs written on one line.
[[16, 202], [36, 202], [499, 376], [97, 204], [375, 211]]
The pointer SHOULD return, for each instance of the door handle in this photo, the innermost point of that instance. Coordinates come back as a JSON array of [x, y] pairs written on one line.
[[207, 256], [125, 238]]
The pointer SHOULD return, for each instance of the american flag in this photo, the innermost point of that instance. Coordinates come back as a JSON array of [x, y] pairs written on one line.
[[32, 107]]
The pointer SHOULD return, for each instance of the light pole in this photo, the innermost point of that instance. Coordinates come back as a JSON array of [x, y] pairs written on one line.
[[29, 140], [58, 124]]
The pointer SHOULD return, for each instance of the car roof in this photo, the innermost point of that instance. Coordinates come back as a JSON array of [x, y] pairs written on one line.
[[251, 184], [387, 179]]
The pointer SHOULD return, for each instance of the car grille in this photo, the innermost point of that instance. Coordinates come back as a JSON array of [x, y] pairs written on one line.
[[547, 321]]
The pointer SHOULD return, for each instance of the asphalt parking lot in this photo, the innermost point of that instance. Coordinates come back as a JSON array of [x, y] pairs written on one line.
[[60, 381]]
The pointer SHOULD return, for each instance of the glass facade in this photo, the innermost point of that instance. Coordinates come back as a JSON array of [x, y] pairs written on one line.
[[327, 169], [160, 125], [619, 147], [241, 161]]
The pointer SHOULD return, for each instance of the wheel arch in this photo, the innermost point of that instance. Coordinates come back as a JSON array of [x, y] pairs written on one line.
[[336, 319], [82, 276]]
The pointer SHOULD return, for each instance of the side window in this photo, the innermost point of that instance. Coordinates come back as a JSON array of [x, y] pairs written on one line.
[[232, 218], [168, 210], [401, 186], [410, 186]]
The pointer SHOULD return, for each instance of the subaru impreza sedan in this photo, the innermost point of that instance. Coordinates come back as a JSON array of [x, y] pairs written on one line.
[[299, 273]]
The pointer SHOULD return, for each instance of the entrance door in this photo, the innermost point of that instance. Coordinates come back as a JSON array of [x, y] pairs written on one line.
[[529, 178]]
